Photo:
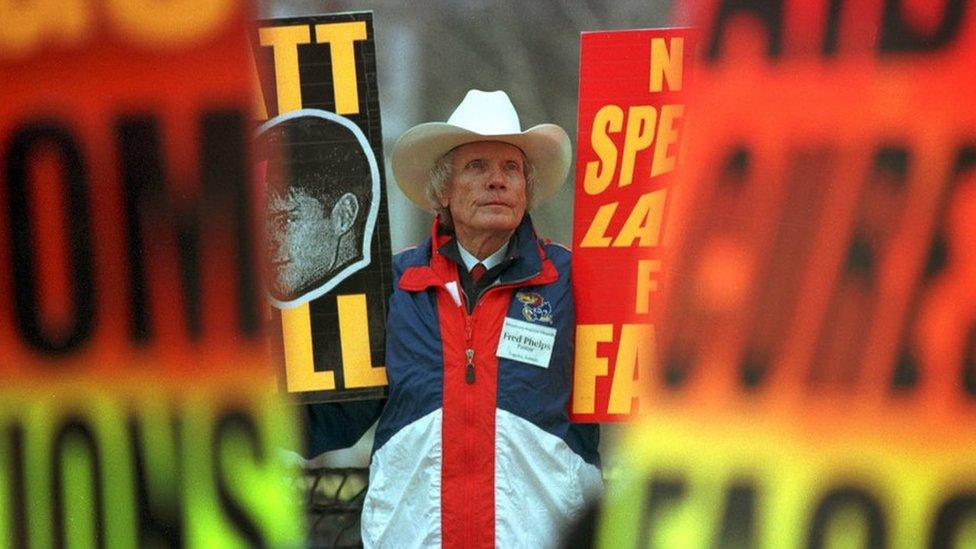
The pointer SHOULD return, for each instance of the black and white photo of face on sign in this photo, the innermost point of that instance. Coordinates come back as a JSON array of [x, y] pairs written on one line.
[[322, 193]]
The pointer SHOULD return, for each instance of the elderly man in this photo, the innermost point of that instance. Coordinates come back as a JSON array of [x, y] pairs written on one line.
[[474, 447]]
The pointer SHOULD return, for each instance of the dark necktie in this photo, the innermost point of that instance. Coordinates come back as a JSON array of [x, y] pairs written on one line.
[[477, 272]]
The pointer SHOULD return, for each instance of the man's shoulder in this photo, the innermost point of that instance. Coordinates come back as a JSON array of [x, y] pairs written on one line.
[[413, 256], [558, 253]]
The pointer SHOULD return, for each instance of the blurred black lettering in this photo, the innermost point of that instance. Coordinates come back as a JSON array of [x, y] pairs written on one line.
[[952, 516], [906, 369], [845, 327], [809, 179], [768, 12], [236, 423], [969, 359], [739, 518], [141, 173], [17, 495], [899, 35], [832, 32], [688, 324], [158, 486], [150, 208], [22, 154], [898, 32], [846, 499], [662, 494], [227, 182], [75, 428]]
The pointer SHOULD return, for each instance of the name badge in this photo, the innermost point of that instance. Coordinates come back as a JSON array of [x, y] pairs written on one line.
[[526, 342]]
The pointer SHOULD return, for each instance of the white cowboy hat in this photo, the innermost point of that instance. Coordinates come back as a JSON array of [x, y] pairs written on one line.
[[481, 116]]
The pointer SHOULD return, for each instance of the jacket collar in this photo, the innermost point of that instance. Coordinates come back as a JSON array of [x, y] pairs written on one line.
[[528, 266], [466, 259]]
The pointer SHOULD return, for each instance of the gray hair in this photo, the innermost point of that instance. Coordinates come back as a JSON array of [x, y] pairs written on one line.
[[443, 171]]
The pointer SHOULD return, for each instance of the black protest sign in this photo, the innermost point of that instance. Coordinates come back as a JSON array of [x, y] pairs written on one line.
[[320, 163]]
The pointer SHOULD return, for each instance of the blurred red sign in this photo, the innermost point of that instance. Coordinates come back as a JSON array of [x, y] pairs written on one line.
[[137, 407], [126, 236], [816, 381], [823, 248]]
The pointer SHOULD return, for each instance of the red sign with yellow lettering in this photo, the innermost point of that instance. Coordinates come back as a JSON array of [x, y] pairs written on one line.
[[631, 116]]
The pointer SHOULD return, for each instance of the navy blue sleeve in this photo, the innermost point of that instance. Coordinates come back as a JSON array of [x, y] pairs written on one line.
[[333, 426]]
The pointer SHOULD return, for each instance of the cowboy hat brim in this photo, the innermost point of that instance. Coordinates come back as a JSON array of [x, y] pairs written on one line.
[[546, 147]]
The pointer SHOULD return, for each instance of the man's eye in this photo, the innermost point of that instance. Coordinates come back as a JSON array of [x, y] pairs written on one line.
[[475, 165], [513, 166]]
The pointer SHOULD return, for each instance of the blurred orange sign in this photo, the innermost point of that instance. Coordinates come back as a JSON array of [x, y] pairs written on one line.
[[817, 374], [135, 406], [126, 233]]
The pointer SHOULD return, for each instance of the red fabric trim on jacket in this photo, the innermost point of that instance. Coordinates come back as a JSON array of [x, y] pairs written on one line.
[[468, 435], [468, 424], [418, 279]]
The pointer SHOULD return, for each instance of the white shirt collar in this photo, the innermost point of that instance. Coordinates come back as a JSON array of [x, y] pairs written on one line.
[[494, 259]]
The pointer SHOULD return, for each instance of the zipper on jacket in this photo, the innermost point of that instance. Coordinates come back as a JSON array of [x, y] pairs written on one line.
[[469, 376], [469, 373], [469, 352]]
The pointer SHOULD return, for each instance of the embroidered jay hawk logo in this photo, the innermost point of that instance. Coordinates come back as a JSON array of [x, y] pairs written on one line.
[[534, 308]]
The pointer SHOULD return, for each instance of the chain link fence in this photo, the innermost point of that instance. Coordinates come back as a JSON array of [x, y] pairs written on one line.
[[334, 503]]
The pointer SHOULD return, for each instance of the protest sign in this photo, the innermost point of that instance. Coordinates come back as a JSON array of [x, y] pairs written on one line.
[[815, 382], [136, 408], [327, 227], [631, 116]]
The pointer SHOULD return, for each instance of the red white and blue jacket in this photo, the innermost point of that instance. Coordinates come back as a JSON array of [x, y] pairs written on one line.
[[471, 450]]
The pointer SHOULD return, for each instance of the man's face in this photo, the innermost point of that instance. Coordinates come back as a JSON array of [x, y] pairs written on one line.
[[301, 243], [487, 190]]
